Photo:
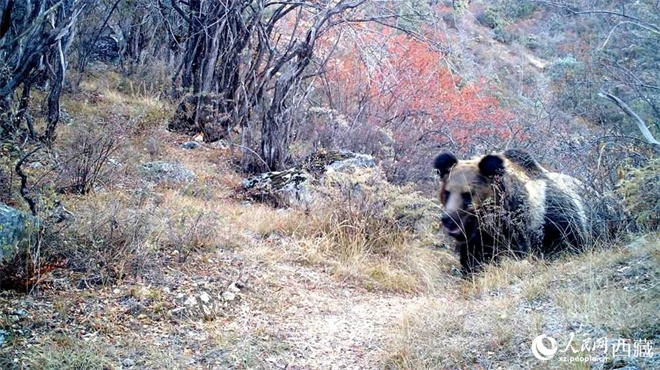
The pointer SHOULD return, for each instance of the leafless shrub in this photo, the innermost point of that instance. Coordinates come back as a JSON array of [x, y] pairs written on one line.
[[190, 231], [111, 237], [85, 161]]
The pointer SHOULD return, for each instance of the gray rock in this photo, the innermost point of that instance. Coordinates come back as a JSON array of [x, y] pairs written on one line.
[[18, 231], [281, 188], [127, 362], [160, 171], [190, 145], [191, 301], [293, 187], [357, 160], [21, 312], [228, 296], [337, 160], [205, 297], [4, 335]]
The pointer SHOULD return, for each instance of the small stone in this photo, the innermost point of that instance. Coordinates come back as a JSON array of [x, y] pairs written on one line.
[[3, 336], [127, 362], [190, 145], [191, 301], [20, 312], [177, 311], [205, 297], [144, 292], [228, 296], [234, 288], [116, 291]]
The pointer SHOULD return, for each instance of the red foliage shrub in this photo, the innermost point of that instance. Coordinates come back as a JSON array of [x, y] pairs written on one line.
[[404, 89]]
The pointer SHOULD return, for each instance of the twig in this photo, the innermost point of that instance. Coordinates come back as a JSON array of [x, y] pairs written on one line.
[[25, 193]]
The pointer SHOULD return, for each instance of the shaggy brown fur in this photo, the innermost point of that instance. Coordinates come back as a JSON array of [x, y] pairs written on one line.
[[507, 203]]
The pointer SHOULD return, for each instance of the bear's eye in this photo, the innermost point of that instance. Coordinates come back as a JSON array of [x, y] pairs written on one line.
[[445, 194], [467, 197]]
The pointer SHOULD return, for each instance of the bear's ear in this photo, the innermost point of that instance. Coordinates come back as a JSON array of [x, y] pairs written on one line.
[[444, 162], [491, 165]]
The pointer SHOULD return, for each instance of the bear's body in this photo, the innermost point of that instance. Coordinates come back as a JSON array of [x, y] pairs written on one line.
[[508, 203]]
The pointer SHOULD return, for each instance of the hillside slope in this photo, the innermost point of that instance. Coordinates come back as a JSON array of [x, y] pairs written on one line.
[[189, 275]]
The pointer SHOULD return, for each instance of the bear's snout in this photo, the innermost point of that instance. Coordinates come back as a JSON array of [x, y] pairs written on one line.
[[451, 225]]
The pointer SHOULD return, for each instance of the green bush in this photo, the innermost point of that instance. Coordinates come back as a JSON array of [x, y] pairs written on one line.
[[506, 12], [516, 9], [492, 18]]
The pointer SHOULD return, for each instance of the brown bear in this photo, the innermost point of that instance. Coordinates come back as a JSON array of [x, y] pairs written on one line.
[[507, 203]]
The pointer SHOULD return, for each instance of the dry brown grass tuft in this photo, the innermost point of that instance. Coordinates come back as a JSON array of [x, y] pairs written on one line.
[[119, 233], [490, 321], [368, 231], [64, 353]]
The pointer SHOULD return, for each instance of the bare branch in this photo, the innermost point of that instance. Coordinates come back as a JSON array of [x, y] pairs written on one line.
[[638, 120], [24, 189]]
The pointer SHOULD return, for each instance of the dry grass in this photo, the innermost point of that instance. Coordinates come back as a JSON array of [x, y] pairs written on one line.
[[361, 231], [491, 320], [366, 230], [64, 353], [362, 228]]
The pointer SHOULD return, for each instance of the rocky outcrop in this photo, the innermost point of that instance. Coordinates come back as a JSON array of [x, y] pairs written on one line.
[[293, 187], [339, 160], [280, 188]]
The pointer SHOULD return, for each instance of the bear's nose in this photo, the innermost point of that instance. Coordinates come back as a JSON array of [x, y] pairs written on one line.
[[448, 221]]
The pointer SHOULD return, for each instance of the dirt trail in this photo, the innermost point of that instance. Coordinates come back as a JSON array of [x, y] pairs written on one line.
[[326, 324]]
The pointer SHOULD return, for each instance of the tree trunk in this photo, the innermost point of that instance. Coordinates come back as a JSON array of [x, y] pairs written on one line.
[[54, 96]]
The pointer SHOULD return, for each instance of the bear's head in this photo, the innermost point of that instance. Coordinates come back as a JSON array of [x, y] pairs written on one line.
[[466, 184]]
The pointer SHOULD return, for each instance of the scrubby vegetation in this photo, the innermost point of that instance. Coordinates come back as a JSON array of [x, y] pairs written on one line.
[[487, 323], [129, 130], [640, 194]]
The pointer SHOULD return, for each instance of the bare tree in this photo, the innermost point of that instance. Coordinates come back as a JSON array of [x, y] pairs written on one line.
[[240, 66], [34, 38]]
